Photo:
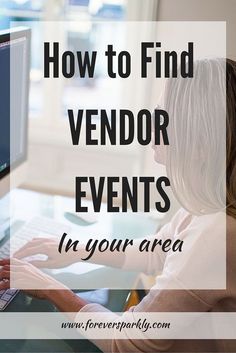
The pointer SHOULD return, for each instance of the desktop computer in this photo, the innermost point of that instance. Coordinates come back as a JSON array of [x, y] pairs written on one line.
[[14, 96], [14, 93]]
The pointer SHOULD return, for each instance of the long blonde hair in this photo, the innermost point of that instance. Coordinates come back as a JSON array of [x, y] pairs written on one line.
[[201, 158]]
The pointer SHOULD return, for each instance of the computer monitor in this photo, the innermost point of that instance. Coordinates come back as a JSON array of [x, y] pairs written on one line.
[[14, 96]]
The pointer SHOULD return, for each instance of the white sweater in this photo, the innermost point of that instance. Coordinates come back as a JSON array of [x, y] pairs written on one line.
[[198, 267]]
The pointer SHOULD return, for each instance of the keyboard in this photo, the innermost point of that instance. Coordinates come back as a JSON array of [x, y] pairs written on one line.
[[6, 296], [36, 227]]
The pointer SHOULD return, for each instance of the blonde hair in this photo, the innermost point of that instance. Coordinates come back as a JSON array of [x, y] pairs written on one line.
[[202, 134]]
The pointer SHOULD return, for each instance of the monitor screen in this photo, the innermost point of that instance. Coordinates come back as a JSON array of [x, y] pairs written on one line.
[[14, 92]]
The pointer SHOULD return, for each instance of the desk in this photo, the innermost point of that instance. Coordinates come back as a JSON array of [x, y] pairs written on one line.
[[27, 204]]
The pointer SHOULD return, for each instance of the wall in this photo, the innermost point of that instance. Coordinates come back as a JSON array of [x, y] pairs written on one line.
[[202, 10]]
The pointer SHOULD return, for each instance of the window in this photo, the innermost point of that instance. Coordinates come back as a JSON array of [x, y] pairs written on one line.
[[89, 35], [90, 24], [82, 32], [20, 11]]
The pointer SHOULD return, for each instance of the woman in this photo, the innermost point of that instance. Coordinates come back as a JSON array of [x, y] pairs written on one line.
[[195, 162]]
